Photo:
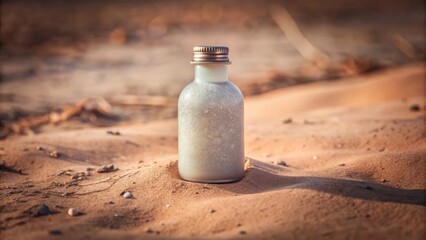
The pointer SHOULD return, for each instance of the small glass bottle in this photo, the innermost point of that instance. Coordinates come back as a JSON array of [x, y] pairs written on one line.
[[211, 121]]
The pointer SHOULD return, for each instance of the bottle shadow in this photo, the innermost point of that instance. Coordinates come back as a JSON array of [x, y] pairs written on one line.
[[263, 177]]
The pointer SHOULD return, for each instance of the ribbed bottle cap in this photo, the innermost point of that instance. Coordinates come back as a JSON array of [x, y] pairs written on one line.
[[210, 54]]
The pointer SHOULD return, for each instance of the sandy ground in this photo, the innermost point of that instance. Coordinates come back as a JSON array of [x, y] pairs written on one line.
[[355, 169]]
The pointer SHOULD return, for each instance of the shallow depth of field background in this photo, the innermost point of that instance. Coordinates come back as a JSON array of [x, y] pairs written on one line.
[[59, 52]]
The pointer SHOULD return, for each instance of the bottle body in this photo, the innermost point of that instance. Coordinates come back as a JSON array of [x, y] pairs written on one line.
[[210, 127]]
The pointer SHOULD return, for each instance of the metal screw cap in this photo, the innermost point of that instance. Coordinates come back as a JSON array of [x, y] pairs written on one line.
[[210, 54]]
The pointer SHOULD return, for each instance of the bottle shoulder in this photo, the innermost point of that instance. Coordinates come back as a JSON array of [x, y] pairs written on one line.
[[211, 93]]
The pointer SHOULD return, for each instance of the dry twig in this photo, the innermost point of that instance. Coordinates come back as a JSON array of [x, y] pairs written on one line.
[[89, 106], [406, 47], [287, 24]]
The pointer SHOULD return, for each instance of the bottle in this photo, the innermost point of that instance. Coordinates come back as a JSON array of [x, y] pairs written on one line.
[[211, 121]]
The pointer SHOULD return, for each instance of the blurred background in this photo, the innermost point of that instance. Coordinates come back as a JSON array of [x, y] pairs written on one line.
[[131, 58]]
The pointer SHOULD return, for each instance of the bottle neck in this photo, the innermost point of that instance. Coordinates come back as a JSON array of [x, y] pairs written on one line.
[[214, 73]]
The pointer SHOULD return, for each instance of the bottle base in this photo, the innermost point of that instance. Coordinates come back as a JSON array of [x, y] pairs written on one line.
[[230, 180]]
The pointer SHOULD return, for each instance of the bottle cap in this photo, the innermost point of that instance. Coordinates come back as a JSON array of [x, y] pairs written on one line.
[[210, 54]]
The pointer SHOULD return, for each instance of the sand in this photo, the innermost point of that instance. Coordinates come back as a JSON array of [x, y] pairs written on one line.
[[355, 169]]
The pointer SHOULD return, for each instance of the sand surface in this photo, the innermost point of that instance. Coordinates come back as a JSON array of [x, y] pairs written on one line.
[[355, 169]]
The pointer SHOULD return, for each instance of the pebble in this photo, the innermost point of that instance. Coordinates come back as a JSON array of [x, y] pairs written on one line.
[[116, 133], [40, 148], [168, 205], [242, 232], [314, 157], [287, 121], [212, 210], [54, 154], [127, 195], [415, 108], [72, 212], [281, 163], [42, 210], [109, 202], [106, 168], [65, 194]]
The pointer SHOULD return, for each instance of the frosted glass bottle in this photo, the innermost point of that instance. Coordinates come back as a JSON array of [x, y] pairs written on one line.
[[210, 121]]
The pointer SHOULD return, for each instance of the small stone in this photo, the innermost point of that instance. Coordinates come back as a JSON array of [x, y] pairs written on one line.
[[415, 108], [212, 210], [89, 169], [42, 210], [314, 157], [40, 148], [382, 149], [168, 205], [127, 195], [342, 165], [281, 163], [116, 133], [72, 212], [65, 194], [55, 232], [54, 154], [149, 230], [287, 121], [238, 225], [242, 232], [109, 202], [106, 168]]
